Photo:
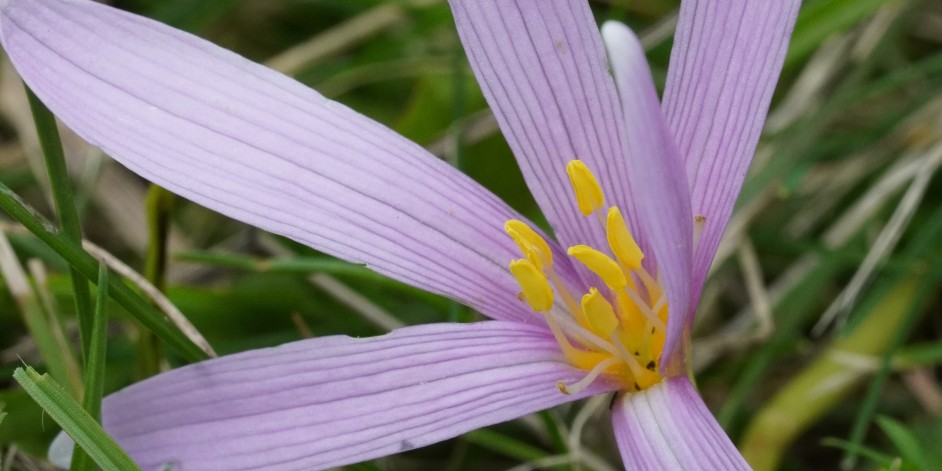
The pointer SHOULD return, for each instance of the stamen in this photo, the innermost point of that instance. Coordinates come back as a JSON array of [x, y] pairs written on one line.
[[620, 333], [582, 335], [533, 246], [649, 283], [561, 338], [588, 191], [565, 294], [623, 245], [583, 383], [600, 313], [651, 315], [600, 264], [536, 288], [661, 302]]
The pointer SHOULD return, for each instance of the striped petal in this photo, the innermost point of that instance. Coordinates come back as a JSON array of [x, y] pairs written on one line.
[[333, 401], [657, 183], [542, 68], [726, 60], [262, 148], [669, 427]]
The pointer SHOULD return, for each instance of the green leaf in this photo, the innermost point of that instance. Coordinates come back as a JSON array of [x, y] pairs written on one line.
[[821, 19], [55, 355], [95, 366], [925, 238], [872, 455], [504, 444], [826, 382], [929, 354], [48, 133], [87, 433], [88, 267], [159, 206], [905, 441], [301, 264]]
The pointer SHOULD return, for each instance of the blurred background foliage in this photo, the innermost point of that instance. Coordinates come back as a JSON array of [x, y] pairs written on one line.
[[818, 338]]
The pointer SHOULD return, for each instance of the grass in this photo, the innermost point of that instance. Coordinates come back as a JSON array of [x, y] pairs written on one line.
[[839, 215]]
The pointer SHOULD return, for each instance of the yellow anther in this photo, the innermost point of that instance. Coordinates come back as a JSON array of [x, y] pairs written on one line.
[[600, 264], [588, 191], [618, 331], [600, 313], [622, 243], [536, 288], [534, 247]]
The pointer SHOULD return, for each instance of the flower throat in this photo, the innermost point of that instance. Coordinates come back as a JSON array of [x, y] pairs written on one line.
[[617, 328]]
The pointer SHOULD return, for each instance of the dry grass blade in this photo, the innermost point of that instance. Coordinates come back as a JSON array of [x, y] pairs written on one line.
[[153, 294], [591, 408], [41, 323], [886, 241], [48, 301], [890, 182], [758, 295], [342, 36], [922, 383]]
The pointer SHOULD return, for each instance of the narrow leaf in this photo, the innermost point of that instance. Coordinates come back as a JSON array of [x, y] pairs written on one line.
[[95, 366], [87, 433], [88, 267], [58, 361], [65, 206], [906, 442], [505, 445]]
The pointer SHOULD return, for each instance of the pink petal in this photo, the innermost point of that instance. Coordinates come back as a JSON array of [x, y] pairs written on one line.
[[661, 201], [726, 60], [669, 427], [260, 147], [337, 400], [541, 66]]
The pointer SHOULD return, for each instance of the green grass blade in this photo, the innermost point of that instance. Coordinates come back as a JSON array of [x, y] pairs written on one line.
[[95, 366], [822, 19], [505, 445], [300, 264], [906, 442], [58, 361], [88, 267], [929, 354], [926, 238], [65, 206], [159, 204], [872, 455], [87, 433], [815, 391]]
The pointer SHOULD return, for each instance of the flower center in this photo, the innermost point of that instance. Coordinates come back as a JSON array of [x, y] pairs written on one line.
[[618, 328]]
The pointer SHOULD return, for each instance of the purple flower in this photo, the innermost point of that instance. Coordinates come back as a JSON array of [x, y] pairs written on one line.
[[638, 194]]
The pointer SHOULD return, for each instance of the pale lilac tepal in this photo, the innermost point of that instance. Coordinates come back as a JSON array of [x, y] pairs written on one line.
[[262, 148]]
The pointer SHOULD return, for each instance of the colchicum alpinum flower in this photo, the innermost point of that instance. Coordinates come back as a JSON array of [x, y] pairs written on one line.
[[638, 193]]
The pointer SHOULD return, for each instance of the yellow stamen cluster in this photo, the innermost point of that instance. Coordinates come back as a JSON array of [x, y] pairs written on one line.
[[617, 330]]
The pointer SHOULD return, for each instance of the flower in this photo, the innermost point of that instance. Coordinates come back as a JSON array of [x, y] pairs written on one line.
[[639, 193]]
